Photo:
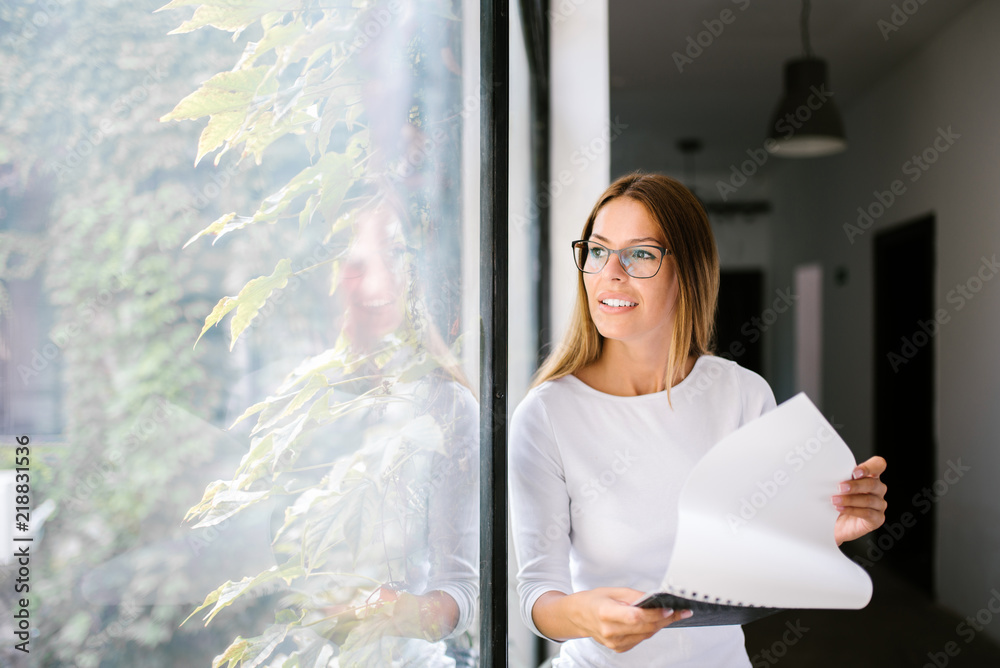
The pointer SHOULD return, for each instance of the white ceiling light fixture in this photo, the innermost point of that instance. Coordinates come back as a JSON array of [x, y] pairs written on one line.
[[806, 123]]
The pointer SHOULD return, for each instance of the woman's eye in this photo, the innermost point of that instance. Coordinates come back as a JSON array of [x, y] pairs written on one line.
[[596, 252], [641, 254]]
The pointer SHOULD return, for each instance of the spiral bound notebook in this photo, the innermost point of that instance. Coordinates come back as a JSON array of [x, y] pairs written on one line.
[[755, 524]]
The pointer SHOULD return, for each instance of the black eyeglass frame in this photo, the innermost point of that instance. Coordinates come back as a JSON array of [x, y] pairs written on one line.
[[663, 249]]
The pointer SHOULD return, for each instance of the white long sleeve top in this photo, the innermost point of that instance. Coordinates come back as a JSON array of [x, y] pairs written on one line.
[[594, 485]]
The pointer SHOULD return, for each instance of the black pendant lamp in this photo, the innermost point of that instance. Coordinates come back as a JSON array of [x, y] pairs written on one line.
[[806, 123]]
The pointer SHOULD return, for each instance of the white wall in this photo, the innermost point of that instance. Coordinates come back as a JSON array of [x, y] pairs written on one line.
[[951, 82], [522, 325], [582, 134]]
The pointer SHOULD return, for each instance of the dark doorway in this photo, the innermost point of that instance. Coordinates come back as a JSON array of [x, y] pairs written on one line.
[[738, 325], [904, 396]]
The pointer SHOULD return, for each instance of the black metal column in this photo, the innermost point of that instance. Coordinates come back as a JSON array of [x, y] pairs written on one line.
[[495, 87], [537, 40]]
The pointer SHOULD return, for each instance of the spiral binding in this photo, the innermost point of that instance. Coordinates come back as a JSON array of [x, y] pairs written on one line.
[[707, 598]]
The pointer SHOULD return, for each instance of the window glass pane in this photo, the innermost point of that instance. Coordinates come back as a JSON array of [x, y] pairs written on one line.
[[239, 329]]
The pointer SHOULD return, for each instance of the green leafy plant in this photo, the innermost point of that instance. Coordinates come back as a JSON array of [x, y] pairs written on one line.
[[95, 196], [351, 445]]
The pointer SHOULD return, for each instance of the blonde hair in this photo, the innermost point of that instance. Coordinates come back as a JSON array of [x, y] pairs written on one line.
[[689, 238]]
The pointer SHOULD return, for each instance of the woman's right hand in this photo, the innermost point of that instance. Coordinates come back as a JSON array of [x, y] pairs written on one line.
[[605, 614]]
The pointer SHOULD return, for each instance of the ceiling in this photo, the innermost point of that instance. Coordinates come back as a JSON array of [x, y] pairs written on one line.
[[726, 95]]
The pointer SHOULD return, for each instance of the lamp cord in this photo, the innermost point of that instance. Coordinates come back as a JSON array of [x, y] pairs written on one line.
[[806, 46]]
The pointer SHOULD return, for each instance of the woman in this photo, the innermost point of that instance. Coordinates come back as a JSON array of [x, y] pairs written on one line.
[[419, 447], [435, 486], [602, 443], [370, 453]]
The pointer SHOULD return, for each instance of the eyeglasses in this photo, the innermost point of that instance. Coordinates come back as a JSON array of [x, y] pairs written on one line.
[[637, 261]]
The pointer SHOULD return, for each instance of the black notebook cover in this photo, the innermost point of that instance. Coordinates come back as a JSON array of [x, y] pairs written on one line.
[[705, 613]]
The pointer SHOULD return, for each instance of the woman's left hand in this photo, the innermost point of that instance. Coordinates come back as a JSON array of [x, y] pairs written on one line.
[[429, 616], [861, 501]]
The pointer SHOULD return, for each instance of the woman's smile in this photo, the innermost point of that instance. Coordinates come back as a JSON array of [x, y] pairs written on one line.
[[615, 303]]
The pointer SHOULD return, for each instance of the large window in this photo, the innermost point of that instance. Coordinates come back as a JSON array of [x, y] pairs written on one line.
[[240, 332]]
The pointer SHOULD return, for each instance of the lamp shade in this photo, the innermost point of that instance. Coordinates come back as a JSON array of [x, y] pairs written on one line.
[[806, 123]]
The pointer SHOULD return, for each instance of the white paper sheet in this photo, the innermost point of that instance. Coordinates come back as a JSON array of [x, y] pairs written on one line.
[[756, 520]]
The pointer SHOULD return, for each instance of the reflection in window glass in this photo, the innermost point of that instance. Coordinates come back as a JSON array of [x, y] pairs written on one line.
[[233, 329]]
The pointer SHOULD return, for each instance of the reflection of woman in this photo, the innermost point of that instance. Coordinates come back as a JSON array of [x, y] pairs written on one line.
[[373, 278], [616, 419], [394, 519]]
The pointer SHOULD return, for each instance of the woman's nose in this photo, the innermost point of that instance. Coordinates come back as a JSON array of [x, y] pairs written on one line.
[[615, 267], [377, 276]]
